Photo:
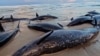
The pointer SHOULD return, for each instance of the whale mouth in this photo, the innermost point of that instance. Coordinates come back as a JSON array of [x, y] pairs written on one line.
[[31, 52]]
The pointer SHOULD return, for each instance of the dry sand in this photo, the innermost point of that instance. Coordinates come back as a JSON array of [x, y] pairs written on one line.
[[25, 35]]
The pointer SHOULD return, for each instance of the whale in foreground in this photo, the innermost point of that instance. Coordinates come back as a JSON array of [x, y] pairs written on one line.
[[57, 40]]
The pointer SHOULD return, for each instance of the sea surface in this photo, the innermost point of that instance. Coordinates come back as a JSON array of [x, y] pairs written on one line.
[[63, 11]]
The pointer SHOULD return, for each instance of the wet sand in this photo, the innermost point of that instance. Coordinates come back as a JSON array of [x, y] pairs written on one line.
[[26, 35]]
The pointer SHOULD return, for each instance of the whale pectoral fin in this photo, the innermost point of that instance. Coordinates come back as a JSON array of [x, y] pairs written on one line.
[[60, 24], [42, 39]]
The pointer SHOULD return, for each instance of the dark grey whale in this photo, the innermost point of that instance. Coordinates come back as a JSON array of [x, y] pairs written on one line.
[[57, 40], [80, 20], [42, 17], [5, 36], [44, 27], [88, 18]]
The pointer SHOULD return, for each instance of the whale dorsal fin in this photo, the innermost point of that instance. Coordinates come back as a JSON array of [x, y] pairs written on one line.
[[37, 15], [72, 18], [42, 39]]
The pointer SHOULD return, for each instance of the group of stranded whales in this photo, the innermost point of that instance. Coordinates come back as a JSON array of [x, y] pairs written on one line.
[[5, 36], [57, 40]]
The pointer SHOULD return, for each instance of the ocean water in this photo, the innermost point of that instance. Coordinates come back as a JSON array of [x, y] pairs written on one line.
[[63, 11]]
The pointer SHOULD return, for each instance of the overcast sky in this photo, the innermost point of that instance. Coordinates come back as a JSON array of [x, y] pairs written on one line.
[[20, 2]]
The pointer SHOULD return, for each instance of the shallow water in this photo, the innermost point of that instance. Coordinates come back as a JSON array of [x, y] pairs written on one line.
[[63, 11]]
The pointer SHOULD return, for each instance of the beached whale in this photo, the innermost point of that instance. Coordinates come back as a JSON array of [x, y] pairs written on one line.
[[80, 20], [44, 27], [42, 17], [11, 19], [88, 18], [5, 36], [57, 40]]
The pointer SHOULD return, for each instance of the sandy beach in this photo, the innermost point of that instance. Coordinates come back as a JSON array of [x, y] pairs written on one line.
[[26, 35]]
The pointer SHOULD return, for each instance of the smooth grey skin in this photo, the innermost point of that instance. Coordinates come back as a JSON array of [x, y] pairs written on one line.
[[80, 20], [44, 27], [57, 40], [42, 17], [7, 35]]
